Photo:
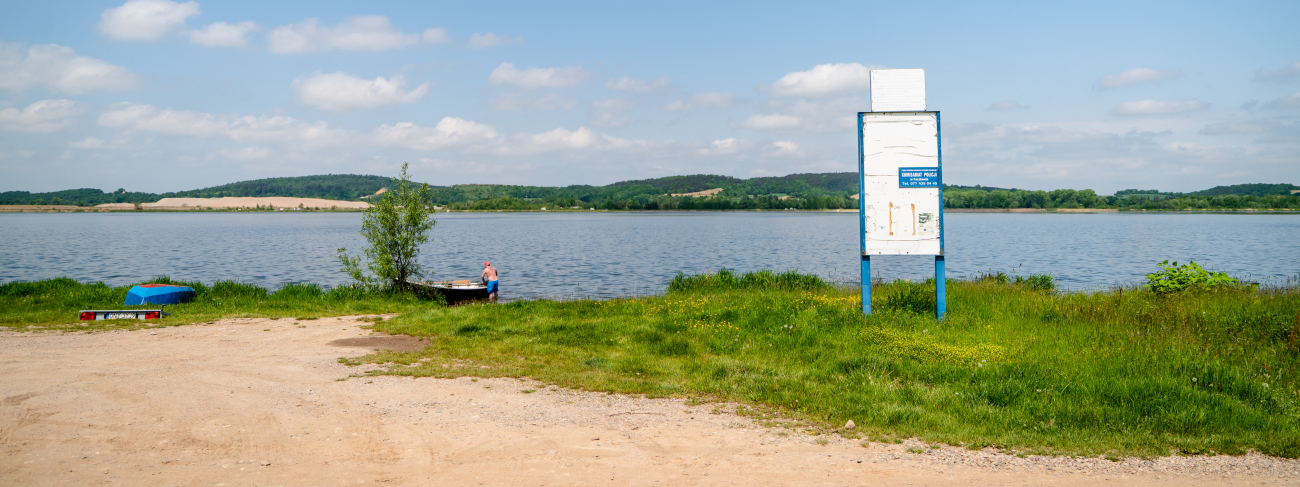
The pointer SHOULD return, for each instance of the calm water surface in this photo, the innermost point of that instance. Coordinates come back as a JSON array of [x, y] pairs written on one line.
[[610, 254]]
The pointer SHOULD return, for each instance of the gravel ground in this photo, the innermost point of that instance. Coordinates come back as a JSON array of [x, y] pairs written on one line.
[[259, 402]]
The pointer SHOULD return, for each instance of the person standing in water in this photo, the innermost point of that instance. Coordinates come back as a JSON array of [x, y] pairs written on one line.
[[489, 276]]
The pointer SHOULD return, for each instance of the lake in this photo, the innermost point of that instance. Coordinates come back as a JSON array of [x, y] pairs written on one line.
[[597, 254]]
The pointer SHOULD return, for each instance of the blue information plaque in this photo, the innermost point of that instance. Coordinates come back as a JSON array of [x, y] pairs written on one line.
[[918, 177]]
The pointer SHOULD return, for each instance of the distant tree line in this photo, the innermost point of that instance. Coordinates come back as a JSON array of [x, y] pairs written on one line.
[[1069, 198], [661, 202], [76, 197], [344, 187], [797, 191]]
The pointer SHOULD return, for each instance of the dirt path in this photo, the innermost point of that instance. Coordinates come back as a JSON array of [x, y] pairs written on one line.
[[232, 404]]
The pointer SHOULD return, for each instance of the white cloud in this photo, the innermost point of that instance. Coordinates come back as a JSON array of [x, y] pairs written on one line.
[[507, 74], [245, 154], [450, 132], [468, 136], [710, 99], [1006, 106], [611, 112], [360, 33], [279, 129], [824, 80], [519, 102], [1239, 127], [725, 147], [785, 148], [462, 167], [1291, 101], [1102, 155], [1155, 107], [145, 20], [435, 36], [88, 143], [479, 41], [802, 115], [1290, 72], [221, 34], [562, 139], [1137, 76], [41, 116], [341, 91], [172, 122], [774, 121], [59, 69], [628, 83]]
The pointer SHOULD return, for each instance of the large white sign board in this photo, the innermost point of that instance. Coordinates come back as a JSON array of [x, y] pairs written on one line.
[[900, 183], [898, 90]]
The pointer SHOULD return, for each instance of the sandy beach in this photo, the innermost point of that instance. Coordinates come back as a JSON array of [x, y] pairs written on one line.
[[263, 402], [240, 202]]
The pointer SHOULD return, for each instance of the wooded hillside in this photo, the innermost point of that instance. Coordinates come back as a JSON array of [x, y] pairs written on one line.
[[799, 191]]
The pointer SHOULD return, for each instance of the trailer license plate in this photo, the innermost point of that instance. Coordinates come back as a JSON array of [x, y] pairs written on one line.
[[120, 316]]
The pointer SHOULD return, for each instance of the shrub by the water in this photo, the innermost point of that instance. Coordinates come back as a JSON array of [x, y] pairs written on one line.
[[1174, 278]]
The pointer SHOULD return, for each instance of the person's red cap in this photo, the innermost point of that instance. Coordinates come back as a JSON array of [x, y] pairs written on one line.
[[486, 263]]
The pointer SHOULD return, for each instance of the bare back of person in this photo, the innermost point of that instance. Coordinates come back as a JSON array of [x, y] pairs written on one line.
[[489, 277]]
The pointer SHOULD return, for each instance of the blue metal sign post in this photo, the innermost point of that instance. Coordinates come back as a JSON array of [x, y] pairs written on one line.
[[898, 216]]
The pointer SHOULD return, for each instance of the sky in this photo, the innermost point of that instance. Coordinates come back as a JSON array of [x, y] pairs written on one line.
[[157, 96]]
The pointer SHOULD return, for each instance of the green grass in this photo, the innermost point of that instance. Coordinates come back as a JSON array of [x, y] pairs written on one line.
[[53, 304], [1015, 365]]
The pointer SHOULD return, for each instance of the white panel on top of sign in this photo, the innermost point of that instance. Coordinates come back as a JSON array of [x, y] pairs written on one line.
[[897, 90]]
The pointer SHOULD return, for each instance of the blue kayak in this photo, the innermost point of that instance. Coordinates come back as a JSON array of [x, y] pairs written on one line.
[[159, 294]]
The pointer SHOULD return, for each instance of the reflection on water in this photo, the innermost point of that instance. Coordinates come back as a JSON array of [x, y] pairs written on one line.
[[609, 254]]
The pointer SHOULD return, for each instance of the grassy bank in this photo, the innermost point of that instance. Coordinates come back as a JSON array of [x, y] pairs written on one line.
[[1016, 364], [53, 304]]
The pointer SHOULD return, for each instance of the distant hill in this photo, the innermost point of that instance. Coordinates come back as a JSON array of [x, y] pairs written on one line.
[[681, 184], [976, 187], [1258, 189], [351, 187], [346, 187]]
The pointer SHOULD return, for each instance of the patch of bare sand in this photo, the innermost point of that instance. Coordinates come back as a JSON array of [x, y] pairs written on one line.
[[253, 202], [231, 404]]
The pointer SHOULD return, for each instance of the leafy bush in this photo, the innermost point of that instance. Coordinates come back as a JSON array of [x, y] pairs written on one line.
[[1173, 278]]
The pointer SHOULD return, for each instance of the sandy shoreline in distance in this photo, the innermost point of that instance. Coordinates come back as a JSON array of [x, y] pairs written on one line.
[[241, 202], [257, 402]]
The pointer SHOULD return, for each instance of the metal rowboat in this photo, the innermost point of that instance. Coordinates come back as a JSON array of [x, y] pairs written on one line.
[[456, 291]]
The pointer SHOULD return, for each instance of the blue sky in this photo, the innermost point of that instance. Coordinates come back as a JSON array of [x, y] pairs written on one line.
[[153, 95]]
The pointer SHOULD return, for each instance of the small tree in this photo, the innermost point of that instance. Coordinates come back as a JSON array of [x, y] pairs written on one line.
[[395, 225]]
